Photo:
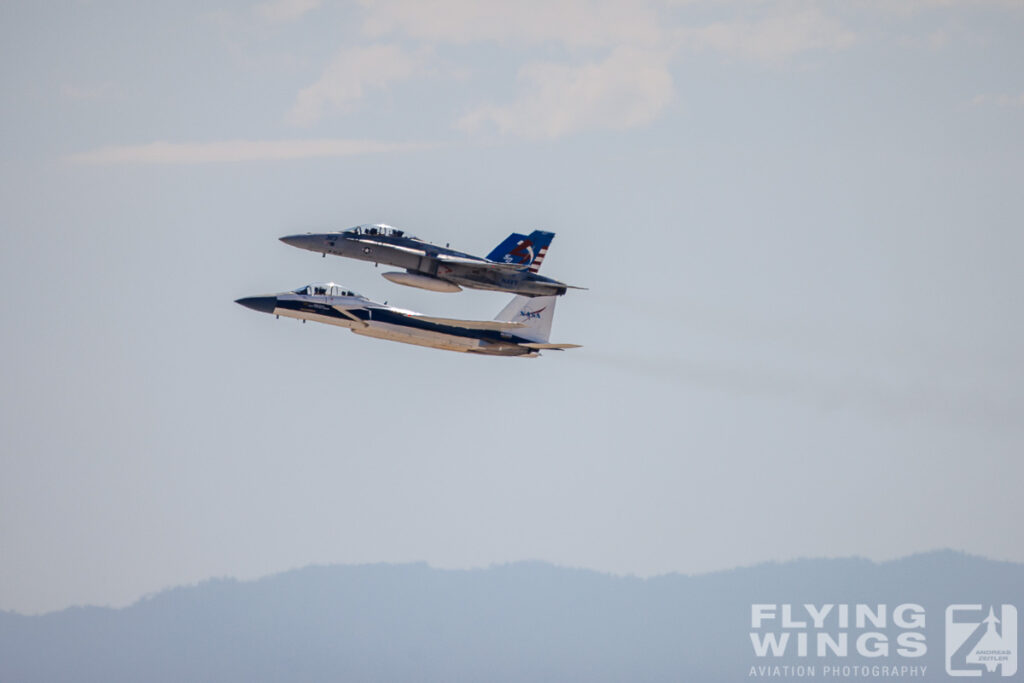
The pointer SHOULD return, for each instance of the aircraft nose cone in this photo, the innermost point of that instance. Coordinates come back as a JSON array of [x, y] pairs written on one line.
[[263, 304], [300, 241]]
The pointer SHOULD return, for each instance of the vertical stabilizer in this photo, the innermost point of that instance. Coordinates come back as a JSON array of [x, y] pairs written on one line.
[[525, 250], [504, 249], [541, 241], [536, 313]]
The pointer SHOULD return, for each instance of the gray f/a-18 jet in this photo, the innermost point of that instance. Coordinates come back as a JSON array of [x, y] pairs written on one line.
[[522, 328], [510, 267]]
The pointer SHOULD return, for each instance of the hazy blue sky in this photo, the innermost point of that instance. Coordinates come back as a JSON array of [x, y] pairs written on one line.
[[800, 222]]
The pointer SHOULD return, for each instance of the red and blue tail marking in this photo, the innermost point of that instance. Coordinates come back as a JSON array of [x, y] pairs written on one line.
[[528, 250]]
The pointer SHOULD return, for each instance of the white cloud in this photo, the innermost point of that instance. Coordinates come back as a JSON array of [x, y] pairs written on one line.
[[346, 80], [771, 39], [236, 150], [630, 88], [280, 11], [571, 22]]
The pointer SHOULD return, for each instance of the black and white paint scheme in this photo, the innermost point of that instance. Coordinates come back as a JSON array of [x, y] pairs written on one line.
[[522, 328]]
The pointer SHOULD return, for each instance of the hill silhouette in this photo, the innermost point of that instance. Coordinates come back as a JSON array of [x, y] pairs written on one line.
[[527, 621]]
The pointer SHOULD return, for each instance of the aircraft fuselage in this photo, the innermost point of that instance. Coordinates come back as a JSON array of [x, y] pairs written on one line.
[[371, 319], [430, 261]]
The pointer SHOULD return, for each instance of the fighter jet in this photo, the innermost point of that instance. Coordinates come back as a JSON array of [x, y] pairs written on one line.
[[511, 267], [522, 328]]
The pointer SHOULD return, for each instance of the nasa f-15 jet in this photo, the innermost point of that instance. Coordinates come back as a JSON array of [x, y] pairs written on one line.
[[522, 328], [510, 267]]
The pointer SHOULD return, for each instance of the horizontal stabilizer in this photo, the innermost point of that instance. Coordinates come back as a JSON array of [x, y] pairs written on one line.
[[554, 347], [470, 324]]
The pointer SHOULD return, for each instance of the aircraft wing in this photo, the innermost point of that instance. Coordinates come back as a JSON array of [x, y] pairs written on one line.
[[444, 258], [480, 263], [469, 324], [347, 314], [555, 347]]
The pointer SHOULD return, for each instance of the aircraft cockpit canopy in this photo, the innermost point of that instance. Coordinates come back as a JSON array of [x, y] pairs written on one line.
[[378, 230], [326, 289]]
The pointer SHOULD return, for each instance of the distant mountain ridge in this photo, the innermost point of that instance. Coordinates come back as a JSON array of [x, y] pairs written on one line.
[[525, 621]]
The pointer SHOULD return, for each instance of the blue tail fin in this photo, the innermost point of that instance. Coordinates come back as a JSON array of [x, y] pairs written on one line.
[[528, 250], [505, 248]]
